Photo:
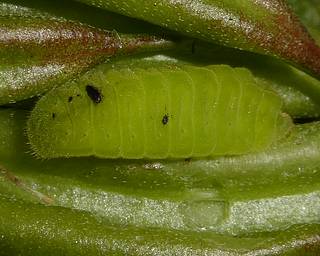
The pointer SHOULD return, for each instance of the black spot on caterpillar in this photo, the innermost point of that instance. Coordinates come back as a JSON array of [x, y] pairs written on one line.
[[165, 119], [53, 115], [204, 101], [94, 94], [70, 99]]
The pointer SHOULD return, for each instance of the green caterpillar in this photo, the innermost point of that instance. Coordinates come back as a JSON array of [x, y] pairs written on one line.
[[158, 113]]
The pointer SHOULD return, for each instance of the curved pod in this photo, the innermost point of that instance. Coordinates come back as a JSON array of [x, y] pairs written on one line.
[[170, 112]]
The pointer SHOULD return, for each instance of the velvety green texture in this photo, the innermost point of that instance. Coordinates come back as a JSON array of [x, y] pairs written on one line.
[[158, 113]]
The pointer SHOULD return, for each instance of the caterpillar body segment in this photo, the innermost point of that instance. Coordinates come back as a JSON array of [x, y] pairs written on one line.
[[130, 94], [226, 109], [249, 103], [181, 122], [158, 113], [156, 134], [205, 126]]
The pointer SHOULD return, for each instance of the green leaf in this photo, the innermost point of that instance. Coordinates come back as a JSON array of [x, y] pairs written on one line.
[[267, 27], [30, 229], [39, 51]]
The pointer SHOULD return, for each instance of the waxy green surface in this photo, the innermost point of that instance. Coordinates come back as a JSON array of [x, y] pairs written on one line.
[[45, 230]]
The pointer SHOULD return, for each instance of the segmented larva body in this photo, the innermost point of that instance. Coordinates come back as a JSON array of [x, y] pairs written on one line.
[[158, 113]]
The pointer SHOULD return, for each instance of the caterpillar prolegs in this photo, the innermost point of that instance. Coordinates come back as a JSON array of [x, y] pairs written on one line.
[[157, 113]]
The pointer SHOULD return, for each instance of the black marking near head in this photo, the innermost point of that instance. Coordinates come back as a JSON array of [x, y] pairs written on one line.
[[53, 115], [70, 99], [94, 94], [165, 119]]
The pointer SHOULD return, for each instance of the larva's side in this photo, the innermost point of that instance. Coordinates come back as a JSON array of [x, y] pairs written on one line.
[[170, 112]]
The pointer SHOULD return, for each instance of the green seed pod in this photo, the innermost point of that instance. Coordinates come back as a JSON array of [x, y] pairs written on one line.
[[158, 113]]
